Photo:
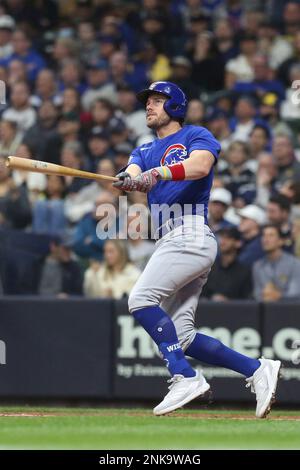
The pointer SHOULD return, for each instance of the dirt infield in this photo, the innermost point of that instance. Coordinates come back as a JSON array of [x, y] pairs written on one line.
[[174, 415]]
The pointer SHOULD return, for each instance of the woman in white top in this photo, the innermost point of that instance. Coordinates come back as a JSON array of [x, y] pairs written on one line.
[[115, 276], [36, 183]]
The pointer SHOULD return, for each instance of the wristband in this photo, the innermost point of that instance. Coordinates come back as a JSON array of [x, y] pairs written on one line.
[[174, 172]]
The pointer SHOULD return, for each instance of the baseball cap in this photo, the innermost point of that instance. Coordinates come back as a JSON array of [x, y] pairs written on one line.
[[221, 195], [181, 61], [253, 212], [7, 22]]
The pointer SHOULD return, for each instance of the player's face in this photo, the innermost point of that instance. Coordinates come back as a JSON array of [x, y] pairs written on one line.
[[156, 116]]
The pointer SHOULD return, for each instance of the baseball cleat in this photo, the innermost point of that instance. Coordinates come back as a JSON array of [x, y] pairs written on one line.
[[182, 391], [263, 383]]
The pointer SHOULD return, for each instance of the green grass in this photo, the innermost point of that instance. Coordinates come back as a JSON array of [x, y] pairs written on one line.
[[80, 428]]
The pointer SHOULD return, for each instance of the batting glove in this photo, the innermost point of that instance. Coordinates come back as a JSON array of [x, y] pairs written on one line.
[[125, 183], [146, 180]]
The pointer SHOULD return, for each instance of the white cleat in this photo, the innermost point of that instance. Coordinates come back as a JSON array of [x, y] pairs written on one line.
[[182, 390], [263, 383]]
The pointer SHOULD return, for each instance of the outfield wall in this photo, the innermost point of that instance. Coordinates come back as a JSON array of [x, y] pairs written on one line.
[[93, 349]]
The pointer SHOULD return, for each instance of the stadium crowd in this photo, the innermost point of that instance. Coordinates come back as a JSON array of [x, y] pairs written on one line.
[[71, 70]]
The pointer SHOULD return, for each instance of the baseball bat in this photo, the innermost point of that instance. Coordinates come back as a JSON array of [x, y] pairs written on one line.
[[38, 166]]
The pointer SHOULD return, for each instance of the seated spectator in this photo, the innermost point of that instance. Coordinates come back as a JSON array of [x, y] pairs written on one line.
[[133, 117], [60, 275], [244, 118], [10, 138], [7, 25], [261, 82], [98, 84], [86, 242], [48, 214], [195, 113], [15, 210], [20, 110], [278, 213], [259, 141], [88, 44], [219, 201], [98, 147], [72, 157], [275, 276], [115, 277], [238, 176], [122, 153], [240, 68], [43, 135], [139, 248], [285, 160], [45, 88], [296, 236], [265, 179], [35, 183], [181, 72], [252, 218], [229, 279], [273, 45], [23, 51], [81, 203], [218, 123]]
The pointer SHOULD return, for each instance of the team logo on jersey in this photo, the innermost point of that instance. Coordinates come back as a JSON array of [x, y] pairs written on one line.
[[174, 154]]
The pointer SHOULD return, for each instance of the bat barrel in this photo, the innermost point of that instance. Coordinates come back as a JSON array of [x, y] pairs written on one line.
[[37, 166]]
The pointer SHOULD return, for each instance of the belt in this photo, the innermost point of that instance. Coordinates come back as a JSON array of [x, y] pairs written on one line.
[[168, 226]]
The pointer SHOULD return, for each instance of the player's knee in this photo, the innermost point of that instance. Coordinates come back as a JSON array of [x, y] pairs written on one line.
[[139, 299]]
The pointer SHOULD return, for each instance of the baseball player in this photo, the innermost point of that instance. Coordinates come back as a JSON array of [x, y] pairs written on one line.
[[176, 169]]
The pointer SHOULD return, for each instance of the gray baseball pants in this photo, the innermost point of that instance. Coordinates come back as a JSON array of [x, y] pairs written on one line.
[[176, 273]]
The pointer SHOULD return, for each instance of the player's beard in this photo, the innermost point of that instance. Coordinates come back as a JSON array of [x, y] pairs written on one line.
[[158, 122]]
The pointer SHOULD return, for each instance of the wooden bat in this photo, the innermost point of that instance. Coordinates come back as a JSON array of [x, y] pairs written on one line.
[[38, 166]]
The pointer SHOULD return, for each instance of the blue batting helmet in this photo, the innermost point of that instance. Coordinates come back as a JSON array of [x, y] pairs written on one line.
[[176, 104]]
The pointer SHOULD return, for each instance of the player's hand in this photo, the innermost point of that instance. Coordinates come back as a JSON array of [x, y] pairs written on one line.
[[125, 182], [146, 180]]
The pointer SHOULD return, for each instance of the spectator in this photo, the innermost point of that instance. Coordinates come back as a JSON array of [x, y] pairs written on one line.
[[99, 147], [278, 213], [61, 275], [77, 205], [195, 113], [244, 120], [252, 219], [181, 74], [48, 215], [284, 156], [238, 176], [20, 110], [115, 277], [220, 200], [259, 141], [88, 45], [265, 178], [276, 276], [133, 117], [15, 211], [7, 25], [208, 69], [240, 68], [273, 45], [46, 88], [35, 183], [122, 153], [10, 138], [86, 242], [296, 236], [139, 248], [229, 279], [98, 84], [16, 72], [218, 123], [23, 51], [43, 135]]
